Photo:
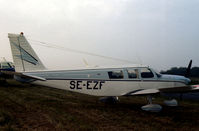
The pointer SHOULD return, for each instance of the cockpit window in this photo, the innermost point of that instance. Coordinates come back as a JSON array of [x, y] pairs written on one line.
[[132, 73], [158, 75], [146, 73], [118, 74]]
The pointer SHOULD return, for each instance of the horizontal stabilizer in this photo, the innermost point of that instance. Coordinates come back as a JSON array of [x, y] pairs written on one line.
[[23, 76], [34, 77]]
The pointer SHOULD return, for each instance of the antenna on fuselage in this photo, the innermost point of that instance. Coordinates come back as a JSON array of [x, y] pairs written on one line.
[[87, 65], [49, 45]]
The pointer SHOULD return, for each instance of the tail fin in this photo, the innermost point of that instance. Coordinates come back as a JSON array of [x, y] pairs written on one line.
[[25, 59]]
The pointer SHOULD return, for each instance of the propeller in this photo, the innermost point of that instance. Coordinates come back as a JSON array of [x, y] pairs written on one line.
[[188, 71]]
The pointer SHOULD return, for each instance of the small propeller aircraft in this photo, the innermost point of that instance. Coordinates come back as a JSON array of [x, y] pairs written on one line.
[[110, 83], [6, 66]]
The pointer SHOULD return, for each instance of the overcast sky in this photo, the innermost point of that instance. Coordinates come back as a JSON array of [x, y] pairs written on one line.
[[158, 33]]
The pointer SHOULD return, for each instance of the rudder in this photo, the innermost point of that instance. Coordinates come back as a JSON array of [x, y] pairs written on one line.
[[25, 58]]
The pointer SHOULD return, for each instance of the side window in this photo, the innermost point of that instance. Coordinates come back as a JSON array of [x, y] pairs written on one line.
[[146, 73], [133, 73], [118, 74]]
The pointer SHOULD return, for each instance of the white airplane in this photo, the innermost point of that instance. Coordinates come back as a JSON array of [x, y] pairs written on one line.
[[106, 82]]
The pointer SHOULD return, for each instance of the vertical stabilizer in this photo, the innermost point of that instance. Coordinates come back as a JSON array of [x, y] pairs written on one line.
[[25, 59]]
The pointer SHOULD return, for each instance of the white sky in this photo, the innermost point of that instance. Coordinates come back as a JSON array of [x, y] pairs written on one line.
[[159, 33]]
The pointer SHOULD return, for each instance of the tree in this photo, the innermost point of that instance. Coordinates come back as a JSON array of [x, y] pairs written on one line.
[[182, 71]]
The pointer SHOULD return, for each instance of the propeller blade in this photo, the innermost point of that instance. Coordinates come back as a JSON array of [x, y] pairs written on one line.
[[188, 71]]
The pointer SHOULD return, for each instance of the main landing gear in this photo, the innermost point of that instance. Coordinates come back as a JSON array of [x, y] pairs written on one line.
[[151, 107], [172, 102], [157, 108]]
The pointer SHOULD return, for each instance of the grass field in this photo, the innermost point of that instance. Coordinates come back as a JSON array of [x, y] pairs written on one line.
[[30, 107]]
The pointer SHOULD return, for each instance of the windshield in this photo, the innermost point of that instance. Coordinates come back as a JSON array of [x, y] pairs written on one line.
[[157, 73]]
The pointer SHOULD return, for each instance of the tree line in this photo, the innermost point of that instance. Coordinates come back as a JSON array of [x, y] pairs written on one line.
[[182, 71]]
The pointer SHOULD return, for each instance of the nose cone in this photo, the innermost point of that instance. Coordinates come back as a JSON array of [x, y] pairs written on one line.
[[188, 80]]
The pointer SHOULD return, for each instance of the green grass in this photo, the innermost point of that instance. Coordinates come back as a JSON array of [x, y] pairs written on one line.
[[194, 80], [29, 107]]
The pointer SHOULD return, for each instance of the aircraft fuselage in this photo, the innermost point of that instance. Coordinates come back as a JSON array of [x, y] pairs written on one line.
[[108, 81]]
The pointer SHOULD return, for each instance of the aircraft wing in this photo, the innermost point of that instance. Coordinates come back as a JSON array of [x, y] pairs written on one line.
[[195, 87], [184, 89], [23, 76], [143, 92]]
